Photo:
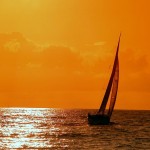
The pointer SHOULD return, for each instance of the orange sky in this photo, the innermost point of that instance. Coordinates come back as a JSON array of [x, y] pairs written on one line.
[[57, 53]]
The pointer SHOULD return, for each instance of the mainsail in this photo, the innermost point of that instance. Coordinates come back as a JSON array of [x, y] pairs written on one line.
[[112, 87]]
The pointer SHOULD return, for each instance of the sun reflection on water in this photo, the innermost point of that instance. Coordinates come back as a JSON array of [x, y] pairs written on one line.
[[29, 128]]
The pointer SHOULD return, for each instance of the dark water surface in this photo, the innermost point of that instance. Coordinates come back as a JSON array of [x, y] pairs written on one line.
[[40, 128]]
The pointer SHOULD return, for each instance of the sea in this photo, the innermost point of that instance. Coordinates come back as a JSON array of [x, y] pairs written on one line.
[[68, 129]]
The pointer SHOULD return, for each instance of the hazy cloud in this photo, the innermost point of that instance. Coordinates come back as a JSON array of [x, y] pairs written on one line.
[[99, 43], [53, 67], [12, 45]]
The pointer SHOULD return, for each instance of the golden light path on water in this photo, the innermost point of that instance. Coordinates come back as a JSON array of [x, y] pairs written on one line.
[[30, 128], [44, 128]]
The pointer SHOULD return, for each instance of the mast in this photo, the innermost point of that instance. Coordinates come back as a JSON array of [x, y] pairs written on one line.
[[114, 90], [109, 87]]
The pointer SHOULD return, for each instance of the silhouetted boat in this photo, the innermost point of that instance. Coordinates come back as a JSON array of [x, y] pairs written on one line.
[[102, 117]]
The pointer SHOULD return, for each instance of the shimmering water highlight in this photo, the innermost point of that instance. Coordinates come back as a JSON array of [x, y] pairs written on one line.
[[37, 128]]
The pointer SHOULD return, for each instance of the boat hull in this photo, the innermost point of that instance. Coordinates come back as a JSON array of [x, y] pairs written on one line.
[[98, 119]]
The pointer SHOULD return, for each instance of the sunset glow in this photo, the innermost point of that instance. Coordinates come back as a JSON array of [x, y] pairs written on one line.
[[59, 53]]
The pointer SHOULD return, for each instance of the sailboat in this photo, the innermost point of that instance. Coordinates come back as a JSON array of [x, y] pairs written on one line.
[[102, 117]]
